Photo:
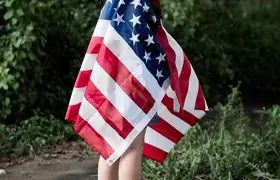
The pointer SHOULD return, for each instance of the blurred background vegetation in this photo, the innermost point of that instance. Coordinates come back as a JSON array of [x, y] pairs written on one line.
[[42, 44]]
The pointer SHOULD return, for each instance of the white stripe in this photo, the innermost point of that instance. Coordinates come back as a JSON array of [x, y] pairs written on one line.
[[196, 113], [133, 63], [77, 95], [192, 91], [115, 94], [178, 51], [206, 106], [92, 116], [157, 140], [101, 28], [88, 62], [173, 120], [171, 94]]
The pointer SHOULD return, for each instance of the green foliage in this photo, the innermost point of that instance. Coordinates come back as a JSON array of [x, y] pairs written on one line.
[[41, 44], [228, 41], [224, 147], [33, 133]]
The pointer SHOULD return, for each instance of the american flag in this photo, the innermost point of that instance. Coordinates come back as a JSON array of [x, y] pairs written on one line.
[[134, 71]]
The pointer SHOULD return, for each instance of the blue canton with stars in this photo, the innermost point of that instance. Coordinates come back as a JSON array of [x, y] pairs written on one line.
[[135, 21]]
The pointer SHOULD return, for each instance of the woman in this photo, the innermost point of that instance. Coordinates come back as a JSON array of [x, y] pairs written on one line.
[[123, 104], [129, 166]]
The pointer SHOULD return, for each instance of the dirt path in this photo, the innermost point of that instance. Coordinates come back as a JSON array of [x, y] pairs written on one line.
[[74, 161], [54, 169]]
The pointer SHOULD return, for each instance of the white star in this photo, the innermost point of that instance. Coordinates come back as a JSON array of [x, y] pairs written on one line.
[[134, 38], [147, 56], [119, 18], [120, 3], [136, 3], [154, 18], [160, 58], [135, 20], [159, 74], [146, 7], [150, 40]]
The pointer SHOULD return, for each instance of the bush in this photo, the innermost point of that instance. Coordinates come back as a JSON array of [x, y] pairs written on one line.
[[33, 133], [228, 41], [224, 147], [42, 43]]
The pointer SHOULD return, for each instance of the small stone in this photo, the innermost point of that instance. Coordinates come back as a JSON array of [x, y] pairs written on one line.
[[47, 156], [54, 155], [2, 172]]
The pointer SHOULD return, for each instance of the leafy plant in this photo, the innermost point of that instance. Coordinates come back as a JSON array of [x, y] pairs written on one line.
[[42, 43], [35, 132], [224, 147]]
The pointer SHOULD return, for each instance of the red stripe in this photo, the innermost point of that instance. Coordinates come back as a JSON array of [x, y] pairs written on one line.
[[72, 112], [167, 131], [182, 114], [179, 84], [171, 58], [82, 79], [154, 153], [95, 140], [184, 78], [84, 76], [94, 45], [200, 101], [107, 110], [123, 77]]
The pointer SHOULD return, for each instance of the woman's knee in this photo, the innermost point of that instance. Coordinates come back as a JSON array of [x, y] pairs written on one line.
[[138, 143]]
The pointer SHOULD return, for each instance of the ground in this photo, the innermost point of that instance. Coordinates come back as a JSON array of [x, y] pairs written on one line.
[[54, 169], [66, 162]]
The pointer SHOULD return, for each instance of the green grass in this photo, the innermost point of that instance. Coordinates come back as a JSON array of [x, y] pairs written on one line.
[[33, 134], [225, 147]]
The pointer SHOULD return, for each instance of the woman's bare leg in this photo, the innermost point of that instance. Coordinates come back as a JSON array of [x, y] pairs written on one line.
[[106, 172], [130, 167]]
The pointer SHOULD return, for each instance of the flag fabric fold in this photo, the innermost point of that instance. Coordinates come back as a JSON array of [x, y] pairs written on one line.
[[134, 71]]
